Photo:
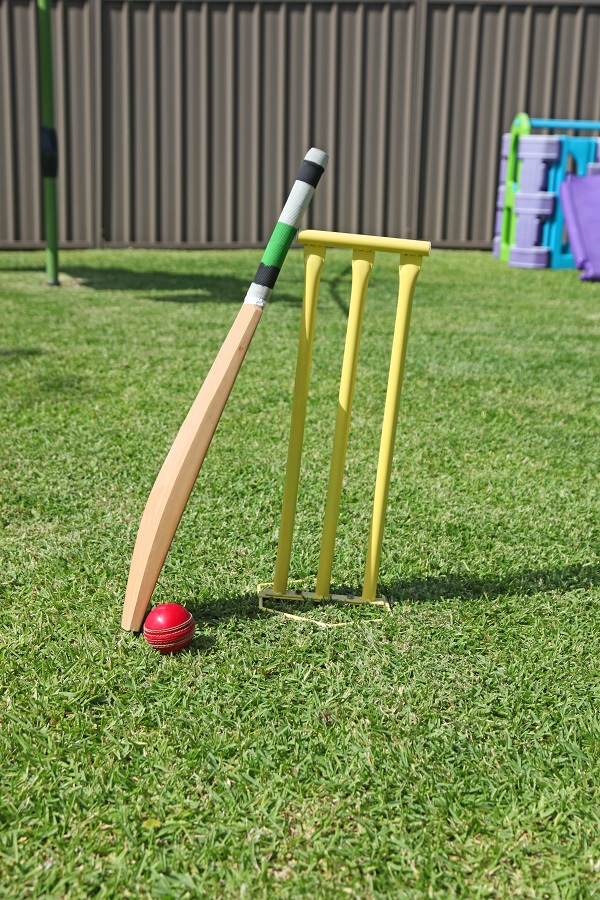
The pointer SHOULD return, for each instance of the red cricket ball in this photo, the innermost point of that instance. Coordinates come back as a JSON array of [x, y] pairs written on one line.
[[169, 628]]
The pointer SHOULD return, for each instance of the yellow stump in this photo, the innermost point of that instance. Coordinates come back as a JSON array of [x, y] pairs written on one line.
[[314, 257], [409, 271], [362, 264]]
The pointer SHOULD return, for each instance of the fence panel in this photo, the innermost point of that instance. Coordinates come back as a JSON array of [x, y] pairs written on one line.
[[484, 63], [181, 122], [21, 220], [208, 108], [20, 180]]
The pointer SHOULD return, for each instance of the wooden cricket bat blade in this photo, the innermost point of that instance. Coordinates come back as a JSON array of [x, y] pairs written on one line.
[[175, 481], [178, 474]]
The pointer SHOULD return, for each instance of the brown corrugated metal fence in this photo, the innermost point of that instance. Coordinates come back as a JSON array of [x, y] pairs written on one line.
[[182, 123]]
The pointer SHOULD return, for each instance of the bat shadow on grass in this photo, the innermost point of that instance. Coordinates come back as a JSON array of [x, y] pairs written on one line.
[[211, 612], [338, 287], [20, 352], [204, 286]]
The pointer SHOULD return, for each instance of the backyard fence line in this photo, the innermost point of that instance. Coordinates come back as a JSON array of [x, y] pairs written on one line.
[[180, 122]]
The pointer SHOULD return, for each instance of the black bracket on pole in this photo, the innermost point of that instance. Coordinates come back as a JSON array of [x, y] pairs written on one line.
[[49, 148]]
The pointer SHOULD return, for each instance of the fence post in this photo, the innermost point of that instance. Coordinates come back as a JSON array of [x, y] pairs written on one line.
[[48, 141]]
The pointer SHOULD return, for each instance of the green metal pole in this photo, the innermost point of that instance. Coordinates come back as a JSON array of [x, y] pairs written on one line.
[[49, 149]]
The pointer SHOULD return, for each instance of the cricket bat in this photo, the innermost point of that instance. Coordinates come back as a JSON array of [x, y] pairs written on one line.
[[173, 486]]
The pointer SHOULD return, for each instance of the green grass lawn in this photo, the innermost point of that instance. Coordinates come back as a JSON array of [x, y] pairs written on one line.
[[448, 749]]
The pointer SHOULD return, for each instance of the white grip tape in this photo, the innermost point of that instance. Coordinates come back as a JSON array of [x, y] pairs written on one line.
[[297, 204], [317, 156], [257, 294]]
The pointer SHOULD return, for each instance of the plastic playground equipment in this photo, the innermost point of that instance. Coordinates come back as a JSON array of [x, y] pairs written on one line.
[[531, 227]]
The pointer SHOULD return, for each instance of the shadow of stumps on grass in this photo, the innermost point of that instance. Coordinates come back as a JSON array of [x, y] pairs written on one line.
[[212, 612], [472, 587], [452, 586]]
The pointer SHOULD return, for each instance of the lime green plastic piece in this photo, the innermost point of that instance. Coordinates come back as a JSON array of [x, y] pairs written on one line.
[[520, 126]]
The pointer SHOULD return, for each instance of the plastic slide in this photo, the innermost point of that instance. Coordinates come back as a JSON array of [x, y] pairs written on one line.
[[580, 200]]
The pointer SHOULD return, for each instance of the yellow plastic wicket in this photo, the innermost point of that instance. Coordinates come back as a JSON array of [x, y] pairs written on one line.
[[364, 248]]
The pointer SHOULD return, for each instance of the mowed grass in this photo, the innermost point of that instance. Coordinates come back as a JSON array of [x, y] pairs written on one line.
[[448, 749]]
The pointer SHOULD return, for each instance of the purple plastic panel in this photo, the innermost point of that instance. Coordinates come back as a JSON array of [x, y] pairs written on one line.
[[593, 168], [531, 258], [499, 209], [580, 198], [498, 223], [496, 247], [534, 175], [537, 204], [531, 210], [528, 231], [540, 146], [504, 150]]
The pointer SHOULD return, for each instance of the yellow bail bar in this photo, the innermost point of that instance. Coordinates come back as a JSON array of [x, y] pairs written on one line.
[[364, 242]]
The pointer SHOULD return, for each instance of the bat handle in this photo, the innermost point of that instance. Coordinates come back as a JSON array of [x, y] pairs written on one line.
[[285, 231]]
